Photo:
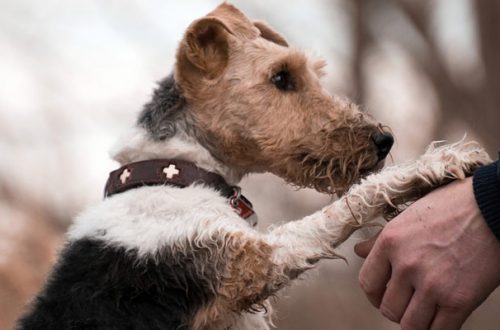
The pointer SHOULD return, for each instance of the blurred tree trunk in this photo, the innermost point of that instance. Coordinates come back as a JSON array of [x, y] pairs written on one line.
[[361, 43], [478, 107], [488, 14]]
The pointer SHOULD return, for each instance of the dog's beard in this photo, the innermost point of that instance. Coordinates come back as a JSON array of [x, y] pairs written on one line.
[[333, 167], [332, 175]]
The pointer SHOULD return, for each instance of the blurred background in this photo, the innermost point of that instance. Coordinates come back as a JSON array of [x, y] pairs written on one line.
[[75, 74]]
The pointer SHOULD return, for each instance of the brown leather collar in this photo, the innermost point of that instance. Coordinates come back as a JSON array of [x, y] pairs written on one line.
[[178, 173]]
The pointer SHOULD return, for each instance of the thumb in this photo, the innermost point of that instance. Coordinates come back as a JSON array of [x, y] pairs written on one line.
[[362, 249]]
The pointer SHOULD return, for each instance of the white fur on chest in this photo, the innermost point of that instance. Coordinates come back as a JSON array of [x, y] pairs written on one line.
[[148, 218]]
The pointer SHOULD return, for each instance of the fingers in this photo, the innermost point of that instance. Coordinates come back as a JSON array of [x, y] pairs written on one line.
[[362, 249], [416, 310], [419, 313], [374, 275], [396, 298], [449, 319]]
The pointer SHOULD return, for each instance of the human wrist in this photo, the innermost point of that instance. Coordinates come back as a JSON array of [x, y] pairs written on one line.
[[486, 185]]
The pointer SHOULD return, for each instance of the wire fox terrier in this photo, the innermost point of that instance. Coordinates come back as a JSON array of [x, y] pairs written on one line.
[[169, 247]]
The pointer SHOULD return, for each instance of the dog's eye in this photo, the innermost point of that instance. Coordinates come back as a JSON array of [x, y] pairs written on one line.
[[283, 81]]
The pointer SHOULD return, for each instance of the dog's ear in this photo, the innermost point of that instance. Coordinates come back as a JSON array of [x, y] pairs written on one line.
[[204, 51], [268, 33]]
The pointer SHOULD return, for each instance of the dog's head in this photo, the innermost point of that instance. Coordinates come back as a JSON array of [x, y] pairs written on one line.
[[258, 105]]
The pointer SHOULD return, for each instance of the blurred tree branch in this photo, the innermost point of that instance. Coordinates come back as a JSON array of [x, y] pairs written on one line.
[[459, 102], [361, 43], [488, 13]]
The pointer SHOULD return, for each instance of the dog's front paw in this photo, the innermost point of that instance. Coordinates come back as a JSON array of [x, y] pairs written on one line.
[[442, 163]]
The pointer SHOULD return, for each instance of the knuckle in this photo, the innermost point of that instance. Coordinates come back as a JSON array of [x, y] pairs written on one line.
[[405, 325], [431, 287], [389, 238], [408, 324], [436, 284], [458, 301], [417, 318], [389, 313], [408, 266], [413, 321], [369, 291], [363, 283]]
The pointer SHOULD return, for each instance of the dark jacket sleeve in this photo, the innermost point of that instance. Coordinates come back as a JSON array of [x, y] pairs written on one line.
[[486, 183]]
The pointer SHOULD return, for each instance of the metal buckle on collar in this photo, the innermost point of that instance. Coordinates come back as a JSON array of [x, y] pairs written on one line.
[[243, 207]]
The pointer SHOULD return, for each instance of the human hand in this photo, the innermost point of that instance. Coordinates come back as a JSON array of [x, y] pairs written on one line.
[[431, 266]]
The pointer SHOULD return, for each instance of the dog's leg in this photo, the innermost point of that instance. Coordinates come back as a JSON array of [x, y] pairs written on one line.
[[264, 265], [299, 244]]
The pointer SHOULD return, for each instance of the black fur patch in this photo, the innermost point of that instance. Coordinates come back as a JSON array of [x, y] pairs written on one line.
[[95, 286], [162, 113], [166, 114]]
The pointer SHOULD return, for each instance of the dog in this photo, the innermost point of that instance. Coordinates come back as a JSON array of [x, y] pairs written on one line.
[[172, 246]]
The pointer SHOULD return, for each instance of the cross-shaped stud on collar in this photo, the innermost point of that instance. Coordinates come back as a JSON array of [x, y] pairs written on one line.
[[124, 176], [170, 171]]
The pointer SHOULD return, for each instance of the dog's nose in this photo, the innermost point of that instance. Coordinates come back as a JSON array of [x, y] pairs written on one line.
[[383, 141]]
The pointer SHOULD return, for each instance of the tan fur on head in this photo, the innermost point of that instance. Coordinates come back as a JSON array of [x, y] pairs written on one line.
[[225, 65], [204, 51], [325, 164]]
